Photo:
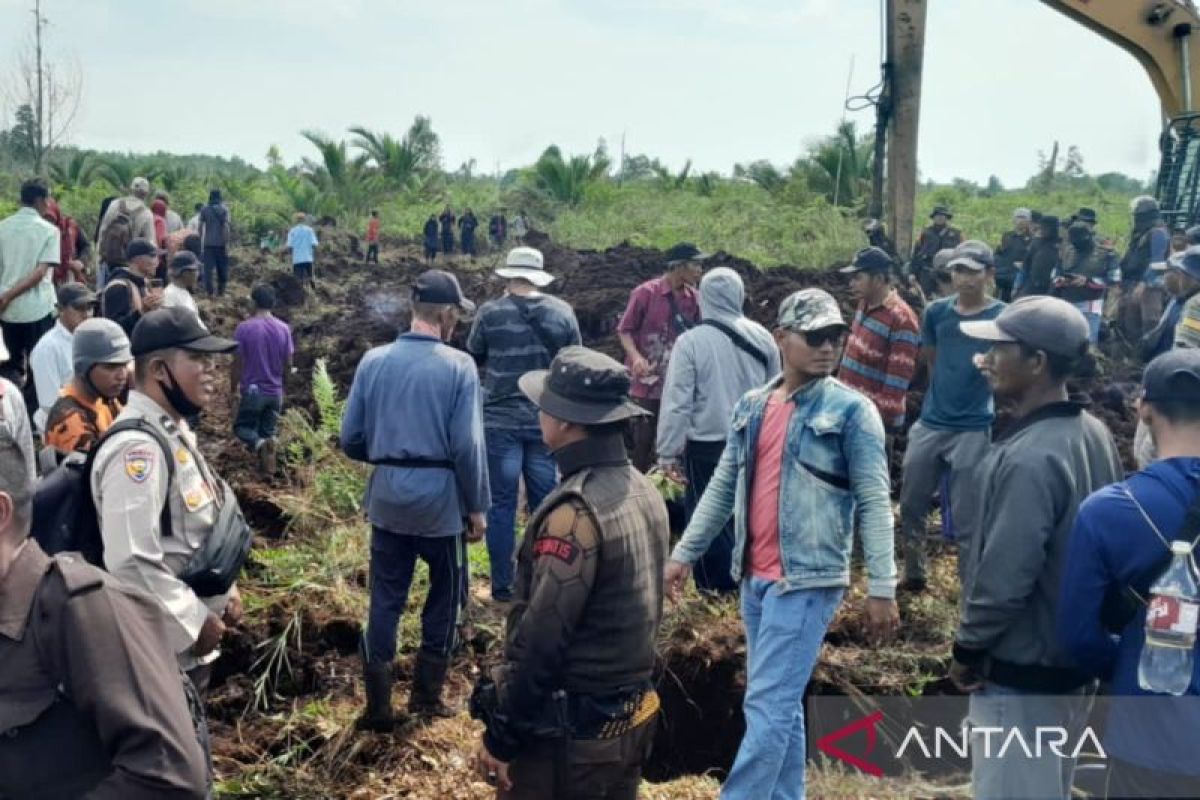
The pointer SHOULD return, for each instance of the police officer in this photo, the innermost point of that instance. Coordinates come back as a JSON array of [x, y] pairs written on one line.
[[571, 710], [940, 235], [174, 378], [91, 702]]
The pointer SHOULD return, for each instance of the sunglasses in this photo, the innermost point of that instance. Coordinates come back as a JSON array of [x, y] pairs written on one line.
[[817, 338]]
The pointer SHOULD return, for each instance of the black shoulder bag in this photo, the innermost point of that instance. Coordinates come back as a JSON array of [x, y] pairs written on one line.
[[543, 335], [677, 318], [740, 342]]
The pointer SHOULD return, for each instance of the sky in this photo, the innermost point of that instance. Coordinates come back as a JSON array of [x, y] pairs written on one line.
[[716, 81]]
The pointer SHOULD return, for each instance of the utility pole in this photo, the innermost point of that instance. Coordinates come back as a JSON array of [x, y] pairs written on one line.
[[905, 57], [39, 149]]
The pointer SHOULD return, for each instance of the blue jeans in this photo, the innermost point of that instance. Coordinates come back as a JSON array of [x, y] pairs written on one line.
[[393, 559], [1014, 774], [783, 638], [511, 454], [713, 570], [257, 418]]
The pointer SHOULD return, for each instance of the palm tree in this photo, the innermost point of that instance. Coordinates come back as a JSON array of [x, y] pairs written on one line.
[[338, 174], [117, 173], [565, 179], [397, 161], [77, 171], [839, 166]]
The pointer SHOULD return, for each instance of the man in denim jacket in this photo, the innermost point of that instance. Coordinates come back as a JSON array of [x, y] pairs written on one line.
[[804, 465]]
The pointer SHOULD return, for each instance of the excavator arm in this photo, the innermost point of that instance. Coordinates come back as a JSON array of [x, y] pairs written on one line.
[[1158, 33]]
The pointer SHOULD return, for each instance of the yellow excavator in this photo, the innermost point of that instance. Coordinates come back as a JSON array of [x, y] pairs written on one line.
[[1158, 33]]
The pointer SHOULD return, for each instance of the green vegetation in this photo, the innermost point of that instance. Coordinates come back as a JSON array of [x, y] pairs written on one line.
[[806, 214]]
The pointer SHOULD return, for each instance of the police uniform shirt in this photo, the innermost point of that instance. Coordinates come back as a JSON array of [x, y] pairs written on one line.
[[129, 484]]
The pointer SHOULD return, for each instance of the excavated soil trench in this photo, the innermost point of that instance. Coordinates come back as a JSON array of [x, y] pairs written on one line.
[[354, 308]]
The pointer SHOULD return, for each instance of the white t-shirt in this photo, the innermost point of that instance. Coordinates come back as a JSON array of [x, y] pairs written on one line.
[[51, 365], [178, 296]]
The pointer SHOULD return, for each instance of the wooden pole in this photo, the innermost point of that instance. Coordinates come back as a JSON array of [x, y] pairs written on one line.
[[906, 55]]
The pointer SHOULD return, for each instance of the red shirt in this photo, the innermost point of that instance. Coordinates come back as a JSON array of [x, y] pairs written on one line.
[[881, 356], [373, 230], [764, 494], [648, 319]]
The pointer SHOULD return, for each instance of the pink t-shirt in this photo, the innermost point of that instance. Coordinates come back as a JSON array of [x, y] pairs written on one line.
[[764, 494]]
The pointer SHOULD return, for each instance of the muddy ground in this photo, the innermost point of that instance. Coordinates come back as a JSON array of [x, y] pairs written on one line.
[[302, 742]]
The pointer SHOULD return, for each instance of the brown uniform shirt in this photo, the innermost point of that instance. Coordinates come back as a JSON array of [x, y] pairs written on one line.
[[91, 702], [588, 596]]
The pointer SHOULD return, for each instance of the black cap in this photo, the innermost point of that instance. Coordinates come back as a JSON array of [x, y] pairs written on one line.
[[684, 251], [871, 260], [1086, 215], [142, 247], [1039, 321], [438, 287], [75, 295], [184, 261], [582, 386], [1175, 375], [943, 210], [176, 327]]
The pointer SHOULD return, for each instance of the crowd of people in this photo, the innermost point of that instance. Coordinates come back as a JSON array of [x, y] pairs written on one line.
[[438, 234], [782, 438]]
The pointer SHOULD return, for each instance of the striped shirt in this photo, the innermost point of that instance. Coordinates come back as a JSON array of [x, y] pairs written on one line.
[[881, 356], [1187, 332], [504, 339]]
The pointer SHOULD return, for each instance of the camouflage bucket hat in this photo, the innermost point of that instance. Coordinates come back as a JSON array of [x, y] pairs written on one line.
[[810, 310]]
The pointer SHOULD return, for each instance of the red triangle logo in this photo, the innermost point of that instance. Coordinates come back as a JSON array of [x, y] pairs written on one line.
[[826, 743]]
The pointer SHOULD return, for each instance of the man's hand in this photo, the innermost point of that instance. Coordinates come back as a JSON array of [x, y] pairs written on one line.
[[4, 301], [476, 526], [883, 618], [210, 636], [76, 266], [965, 678], [234, 608], [1136, 294], [492, 769], [674, 472], [152, 300], [675, 575], [640, 367]]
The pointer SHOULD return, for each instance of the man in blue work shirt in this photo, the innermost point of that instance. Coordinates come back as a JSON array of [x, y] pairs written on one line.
[[302, 243], [430, 476], [1118, 547]]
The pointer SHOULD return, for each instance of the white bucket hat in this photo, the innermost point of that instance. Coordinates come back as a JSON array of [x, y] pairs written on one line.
[[527, 264]]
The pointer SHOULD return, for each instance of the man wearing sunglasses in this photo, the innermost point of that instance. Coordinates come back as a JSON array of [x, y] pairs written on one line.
[[954, 430], [803, 467]]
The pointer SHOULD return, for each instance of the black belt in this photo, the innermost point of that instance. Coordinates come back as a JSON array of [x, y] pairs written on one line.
[[414, 463]]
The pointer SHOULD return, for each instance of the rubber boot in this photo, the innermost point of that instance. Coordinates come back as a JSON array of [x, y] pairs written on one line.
[[429, 676], [378, 716]]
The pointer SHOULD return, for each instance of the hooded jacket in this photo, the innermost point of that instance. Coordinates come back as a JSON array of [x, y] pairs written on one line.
[[708, 373], [1043, 259]]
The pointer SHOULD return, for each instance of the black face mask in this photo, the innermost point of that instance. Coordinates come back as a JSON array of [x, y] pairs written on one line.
[[176, 396]]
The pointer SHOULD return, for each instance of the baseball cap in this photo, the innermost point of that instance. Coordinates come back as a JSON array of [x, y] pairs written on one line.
[[872, 260], [142, 247], [75, 295], [1023, 213], [527, 264], [1175, 375], [974, 254], [684, 251], [184, 261], [139, 185], [1187, 262], [942, 258], [810, 310], [1041, 322], [438, 287], [176, 327]]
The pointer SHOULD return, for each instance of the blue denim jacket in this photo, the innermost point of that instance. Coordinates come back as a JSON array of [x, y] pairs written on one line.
[[834, 476]]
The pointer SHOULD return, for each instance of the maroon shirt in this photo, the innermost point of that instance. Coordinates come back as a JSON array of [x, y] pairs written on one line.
[[648, 320]]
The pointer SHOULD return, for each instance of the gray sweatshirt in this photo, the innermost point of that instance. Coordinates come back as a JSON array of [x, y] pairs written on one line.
[[708, 373], [1033, 482]]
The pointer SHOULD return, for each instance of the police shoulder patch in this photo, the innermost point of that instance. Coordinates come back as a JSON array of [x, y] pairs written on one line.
[[139, 463], [562, 549]]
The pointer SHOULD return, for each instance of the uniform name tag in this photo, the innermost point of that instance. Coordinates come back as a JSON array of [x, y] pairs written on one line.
[[561, 549]]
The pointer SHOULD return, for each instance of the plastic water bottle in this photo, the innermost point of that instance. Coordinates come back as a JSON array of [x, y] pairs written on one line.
[[1166, 663]]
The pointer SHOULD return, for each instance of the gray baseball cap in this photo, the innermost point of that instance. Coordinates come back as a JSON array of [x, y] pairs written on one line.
[[974, 254], [99, 341], [1041, 322], [809, 310]]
